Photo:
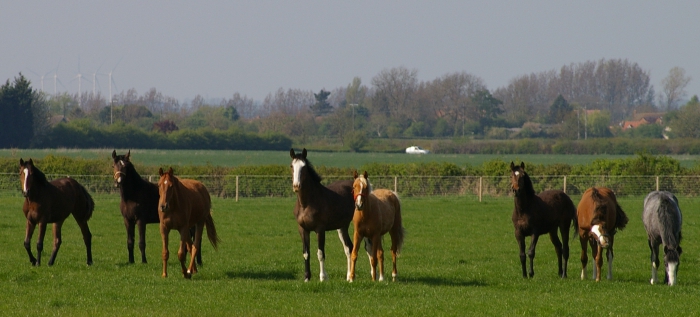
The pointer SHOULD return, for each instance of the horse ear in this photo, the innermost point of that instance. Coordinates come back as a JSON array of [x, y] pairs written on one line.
[[512, 165], [522, 165], [354, 174], [303, 153], [30, 162], [366, 176], [114, 154], [126, 157], [21, 162], [291, 153], [170, 171], [160, 171]]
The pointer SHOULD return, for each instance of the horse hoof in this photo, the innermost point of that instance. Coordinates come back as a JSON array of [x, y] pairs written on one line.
[[89, 263], [188, 276]]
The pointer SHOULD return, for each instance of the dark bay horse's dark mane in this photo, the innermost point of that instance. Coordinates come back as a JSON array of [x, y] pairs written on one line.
[[39, 176], [135, 182], [310, 168]]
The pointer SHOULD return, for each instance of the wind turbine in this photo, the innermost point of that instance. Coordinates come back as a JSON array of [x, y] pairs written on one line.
[[95, 81], [55, 79], [42, 78], [80, 78], [111, 98]]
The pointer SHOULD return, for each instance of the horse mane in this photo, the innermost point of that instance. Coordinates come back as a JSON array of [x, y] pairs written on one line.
[[365, 182], [527, 187], [312, 172], [601, 202], [40, 176]]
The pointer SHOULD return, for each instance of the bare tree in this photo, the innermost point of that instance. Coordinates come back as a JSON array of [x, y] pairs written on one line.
[[394, 90], [673, 88]]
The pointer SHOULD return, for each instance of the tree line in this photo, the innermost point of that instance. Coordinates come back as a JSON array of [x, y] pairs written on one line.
[[576, 101]]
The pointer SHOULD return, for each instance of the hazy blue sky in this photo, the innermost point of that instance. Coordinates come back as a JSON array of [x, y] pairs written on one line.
[[217, 48]]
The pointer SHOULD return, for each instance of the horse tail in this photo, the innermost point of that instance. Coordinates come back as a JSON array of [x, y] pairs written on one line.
[[621, 218], [89, 205], [398, 231], [211, 231], [669, 223]]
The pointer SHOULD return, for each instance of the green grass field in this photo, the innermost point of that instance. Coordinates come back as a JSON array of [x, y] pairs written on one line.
[[460, 258], [336, 159]]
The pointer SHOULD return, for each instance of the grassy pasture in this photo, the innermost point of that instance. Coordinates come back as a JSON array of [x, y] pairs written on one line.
[[460, 258], [336, 159]]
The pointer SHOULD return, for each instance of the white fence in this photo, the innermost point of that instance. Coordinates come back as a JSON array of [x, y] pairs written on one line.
[[477, 187]]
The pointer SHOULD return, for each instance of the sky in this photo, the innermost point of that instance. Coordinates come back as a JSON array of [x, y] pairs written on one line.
[[218, 48]]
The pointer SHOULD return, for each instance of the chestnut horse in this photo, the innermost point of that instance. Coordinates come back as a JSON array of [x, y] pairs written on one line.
[[52, 202], [139, 203], [663, 220], [535, 215], [184, 203], [599, 218], [319, 208], [376, 213]]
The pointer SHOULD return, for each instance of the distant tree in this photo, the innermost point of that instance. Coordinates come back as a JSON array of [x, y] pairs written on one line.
[[165, 126], [673, 88], [321, 107], [684, 122], [16, 115], [231, 113], [559, 110], [487, 107]]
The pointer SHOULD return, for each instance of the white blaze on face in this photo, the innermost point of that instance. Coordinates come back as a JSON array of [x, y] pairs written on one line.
[[296, 172], [517, 173], [601, 239], [672, 269], [358, 199], [26, 176]]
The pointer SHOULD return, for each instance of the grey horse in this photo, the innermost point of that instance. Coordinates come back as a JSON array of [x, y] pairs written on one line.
[[662, 219]]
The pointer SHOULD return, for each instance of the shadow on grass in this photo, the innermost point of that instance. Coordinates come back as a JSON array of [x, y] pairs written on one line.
[[262, 275], [440, 281]]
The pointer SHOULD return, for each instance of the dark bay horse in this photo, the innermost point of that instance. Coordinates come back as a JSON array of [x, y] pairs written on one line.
[[139, 203], [663, 220], [52, 202], [376, 213], [319, 209], [537, 214], [184, 203], [599, 218]]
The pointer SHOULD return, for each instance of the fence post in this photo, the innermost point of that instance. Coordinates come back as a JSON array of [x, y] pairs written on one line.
[[395, 182], [657, 183], [236, 188], [480, 187], [564, 184]]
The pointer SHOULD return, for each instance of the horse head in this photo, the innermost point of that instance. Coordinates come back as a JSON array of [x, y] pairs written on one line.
[[302, 170], [165, 188], [601, 218], [518, 177], [26, 171], [119, 165], [360, 189]]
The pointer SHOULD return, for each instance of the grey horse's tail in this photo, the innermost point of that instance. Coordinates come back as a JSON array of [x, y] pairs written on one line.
[[668, 221]]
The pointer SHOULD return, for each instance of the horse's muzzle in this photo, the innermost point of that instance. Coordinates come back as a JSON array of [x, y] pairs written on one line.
[[296, 187], [163, 207]]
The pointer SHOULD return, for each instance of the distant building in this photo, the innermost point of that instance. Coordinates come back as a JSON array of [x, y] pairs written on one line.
[[642, 119]]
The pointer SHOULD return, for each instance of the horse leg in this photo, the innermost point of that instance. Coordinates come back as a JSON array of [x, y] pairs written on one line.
[[357, 239], [394, 254], [564, 230], [185, 245], [558, 249], [594, 253], [193, 232], [348, 247], [610, 255], [28, 240], [87, 239], [40, 242], [368, 250], [129, 226], [305, 249], [654, 247], [531, 253], [380, 257], [56, 241], [373, 258], [142, 241], [598, 262], [321, 253], [521, 246], [196, 247], [584, 257], [164, 232]]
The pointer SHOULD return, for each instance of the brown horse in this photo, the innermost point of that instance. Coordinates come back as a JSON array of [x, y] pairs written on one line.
[[319, 209], [184, 203], [599, 218], [52, 202], [535, 215], [139, 203], [376, 213]]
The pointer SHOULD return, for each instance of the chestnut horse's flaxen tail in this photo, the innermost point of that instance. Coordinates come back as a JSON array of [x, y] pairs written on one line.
[[211, 231], [397, 231]]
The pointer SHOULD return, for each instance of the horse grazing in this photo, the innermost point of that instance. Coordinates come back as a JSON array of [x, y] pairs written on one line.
[[139, 203], [184, 203], [52, 202], [535, 215], [662, 219], [376, 213], [319, 209], [599, 218]]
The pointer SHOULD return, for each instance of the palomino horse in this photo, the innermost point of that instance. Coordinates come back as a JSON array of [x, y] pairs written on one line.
[[52, 202], [139, 203], [184, 203], [535, 215], [376, 213], [662, 219], [319, 209], [599, 218]]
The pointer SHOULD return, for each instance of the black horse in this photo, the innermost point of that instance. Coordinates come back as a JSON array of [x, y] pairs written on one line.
[[51, 202], [319, 209], [535, 215], [139, 203]]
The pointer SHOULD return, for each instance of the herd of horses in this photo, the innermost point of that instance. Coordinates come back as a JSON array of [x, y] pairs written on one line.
[[185, 205]]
